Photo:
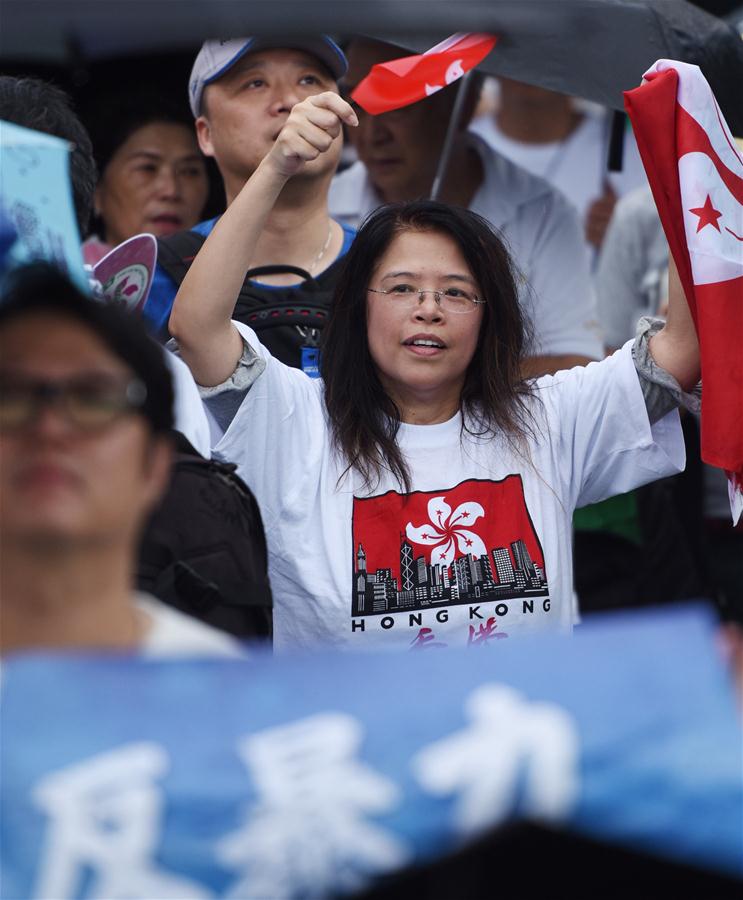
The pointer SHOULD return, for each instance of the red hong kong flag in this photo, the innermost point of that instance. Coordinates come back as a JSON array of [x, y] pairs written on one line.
[[474, 517], [695, 171], [400, 82]]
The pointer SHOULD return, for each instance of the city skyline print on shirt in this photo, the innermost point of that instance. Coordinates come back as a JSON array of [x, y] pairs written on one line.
[[429, 549]]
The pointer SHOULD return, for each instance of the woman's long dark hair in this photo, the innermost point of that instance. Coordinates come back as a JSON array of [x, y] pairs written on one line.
[[364, 419]]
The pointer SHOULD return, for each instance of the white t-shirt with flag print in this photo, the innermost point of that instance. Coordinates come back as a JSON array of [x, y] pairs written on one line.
[[479, 551]]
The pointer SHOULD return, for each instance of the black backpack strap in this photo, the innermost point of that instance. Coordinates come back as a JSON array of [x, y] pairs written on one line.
[[279, 270], [176, 252], [182, 445]]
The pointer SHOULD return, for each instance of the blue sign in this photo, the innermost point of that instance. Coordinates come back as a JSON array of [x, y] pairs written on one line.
[[36, 195], [309, 775]]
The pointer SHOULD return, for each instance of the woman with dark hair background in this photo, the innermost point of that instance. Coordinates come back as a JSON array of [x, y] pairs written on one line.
[[421, 494], [152, 176]]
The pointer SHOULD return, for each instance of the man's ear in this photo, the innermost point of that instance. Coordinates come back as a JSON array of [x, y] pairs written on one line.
[[204, 136], [157, 469], [471, 100], [443, 102]]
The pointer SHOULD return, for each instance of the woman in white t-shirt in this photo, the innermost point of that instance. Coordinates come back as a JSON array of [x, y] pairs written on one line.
[[420, 495]]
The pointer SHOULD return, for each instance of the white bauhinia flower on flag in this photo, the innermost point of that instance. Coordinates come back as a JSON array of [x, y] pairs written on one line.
[[447, 531], [695, 171], [400, 82]]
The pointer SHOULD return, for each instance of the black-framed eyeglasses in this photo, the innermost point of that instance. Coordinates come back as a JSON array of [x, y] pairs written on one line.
[[87, 402], [450, 299]]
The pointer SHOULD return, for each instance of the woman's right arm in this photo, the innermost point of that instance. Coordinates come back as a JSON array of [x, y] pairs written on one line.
[[200, 320]]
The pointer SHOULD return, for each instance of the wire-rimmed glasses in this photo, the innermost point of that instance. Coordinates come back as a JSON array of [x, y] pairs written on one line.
[[450, 299]]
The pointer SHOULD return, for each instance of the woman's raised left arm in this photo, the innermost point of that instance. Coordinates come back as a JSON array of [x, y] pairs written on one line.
[[675, 347]]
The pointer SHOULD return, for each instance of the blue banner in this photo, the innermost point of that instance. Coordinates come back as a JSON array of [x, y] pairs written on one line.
[[36, 196], [303, 776]]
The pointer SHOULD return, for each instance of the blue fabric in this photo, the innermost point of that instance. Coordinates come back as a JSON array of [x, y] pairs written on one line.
[[8, 237], [37, 197], [163, 289], [353, 766], [162, 293]]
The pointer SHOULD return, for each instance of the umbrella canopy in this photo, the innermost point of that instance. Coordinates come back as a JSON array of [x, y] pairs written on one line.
[[588, 48], [596, 49], [55, 30]]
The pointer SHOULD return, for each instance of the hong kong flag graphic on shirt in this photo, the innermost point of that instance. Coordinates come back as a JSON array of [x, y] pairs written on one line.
[[464, 544]]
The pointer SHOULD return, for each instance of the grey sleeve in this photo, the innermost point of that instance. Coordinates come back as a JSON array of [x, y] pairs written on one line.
[[223, 400], [618, 276], [660, 389]]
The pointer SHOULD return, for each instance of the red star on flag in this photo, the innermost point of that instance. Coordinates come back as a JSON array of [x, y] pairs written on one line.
[[689, 152], [708, 215]]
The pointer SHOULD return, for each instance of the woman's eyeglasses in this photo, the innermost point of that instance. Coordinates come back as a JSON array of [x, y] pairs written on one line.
[[88, 403], [451, 299]]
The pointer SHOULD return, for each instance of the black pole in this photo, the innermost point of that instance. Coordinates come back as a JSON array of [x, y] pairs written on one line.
[[615, 154], [451, 132]]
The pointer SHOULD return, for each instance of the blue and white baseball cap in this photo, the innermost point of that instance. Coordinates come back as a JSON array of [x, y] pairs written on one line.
[[217, 56]]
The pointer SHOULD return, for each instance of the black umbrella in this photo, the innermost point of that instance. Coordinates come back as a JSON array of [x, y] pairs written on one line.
[[589, 48], [596, 49]]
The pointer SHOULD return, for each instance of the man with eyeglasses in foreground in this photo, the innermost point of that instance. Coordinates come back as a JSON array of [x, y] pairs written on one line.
[[86, 404]]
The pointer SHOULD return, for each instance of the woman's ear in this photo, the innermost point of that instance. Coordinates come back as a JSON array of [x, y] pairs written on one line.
[[97, 225]]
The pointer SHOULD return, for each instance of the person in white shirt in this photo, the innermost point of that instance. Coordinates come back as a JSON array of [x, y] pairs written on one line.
[[86, 404], [398, 155], [421, 494], [565, 142]]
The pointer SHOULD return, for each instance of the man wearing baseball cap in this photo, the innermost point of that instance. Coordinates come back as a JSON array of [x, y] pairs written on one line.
[[241, 92]]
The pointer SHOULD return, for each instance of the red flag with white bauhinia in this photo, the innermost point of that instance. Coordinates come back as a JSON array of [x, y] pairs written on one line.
[[445, 547], [400, 82], [695, 171]]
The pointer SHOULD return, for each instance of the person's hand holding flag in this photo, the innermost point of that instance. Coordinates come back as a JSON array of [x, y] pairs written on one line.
[[695, 172]]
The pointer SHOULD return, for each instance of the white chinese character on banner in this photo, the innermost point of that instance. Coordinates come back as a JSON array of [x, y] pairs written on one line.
[[307, 833], [513, 749], [104, 824]]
